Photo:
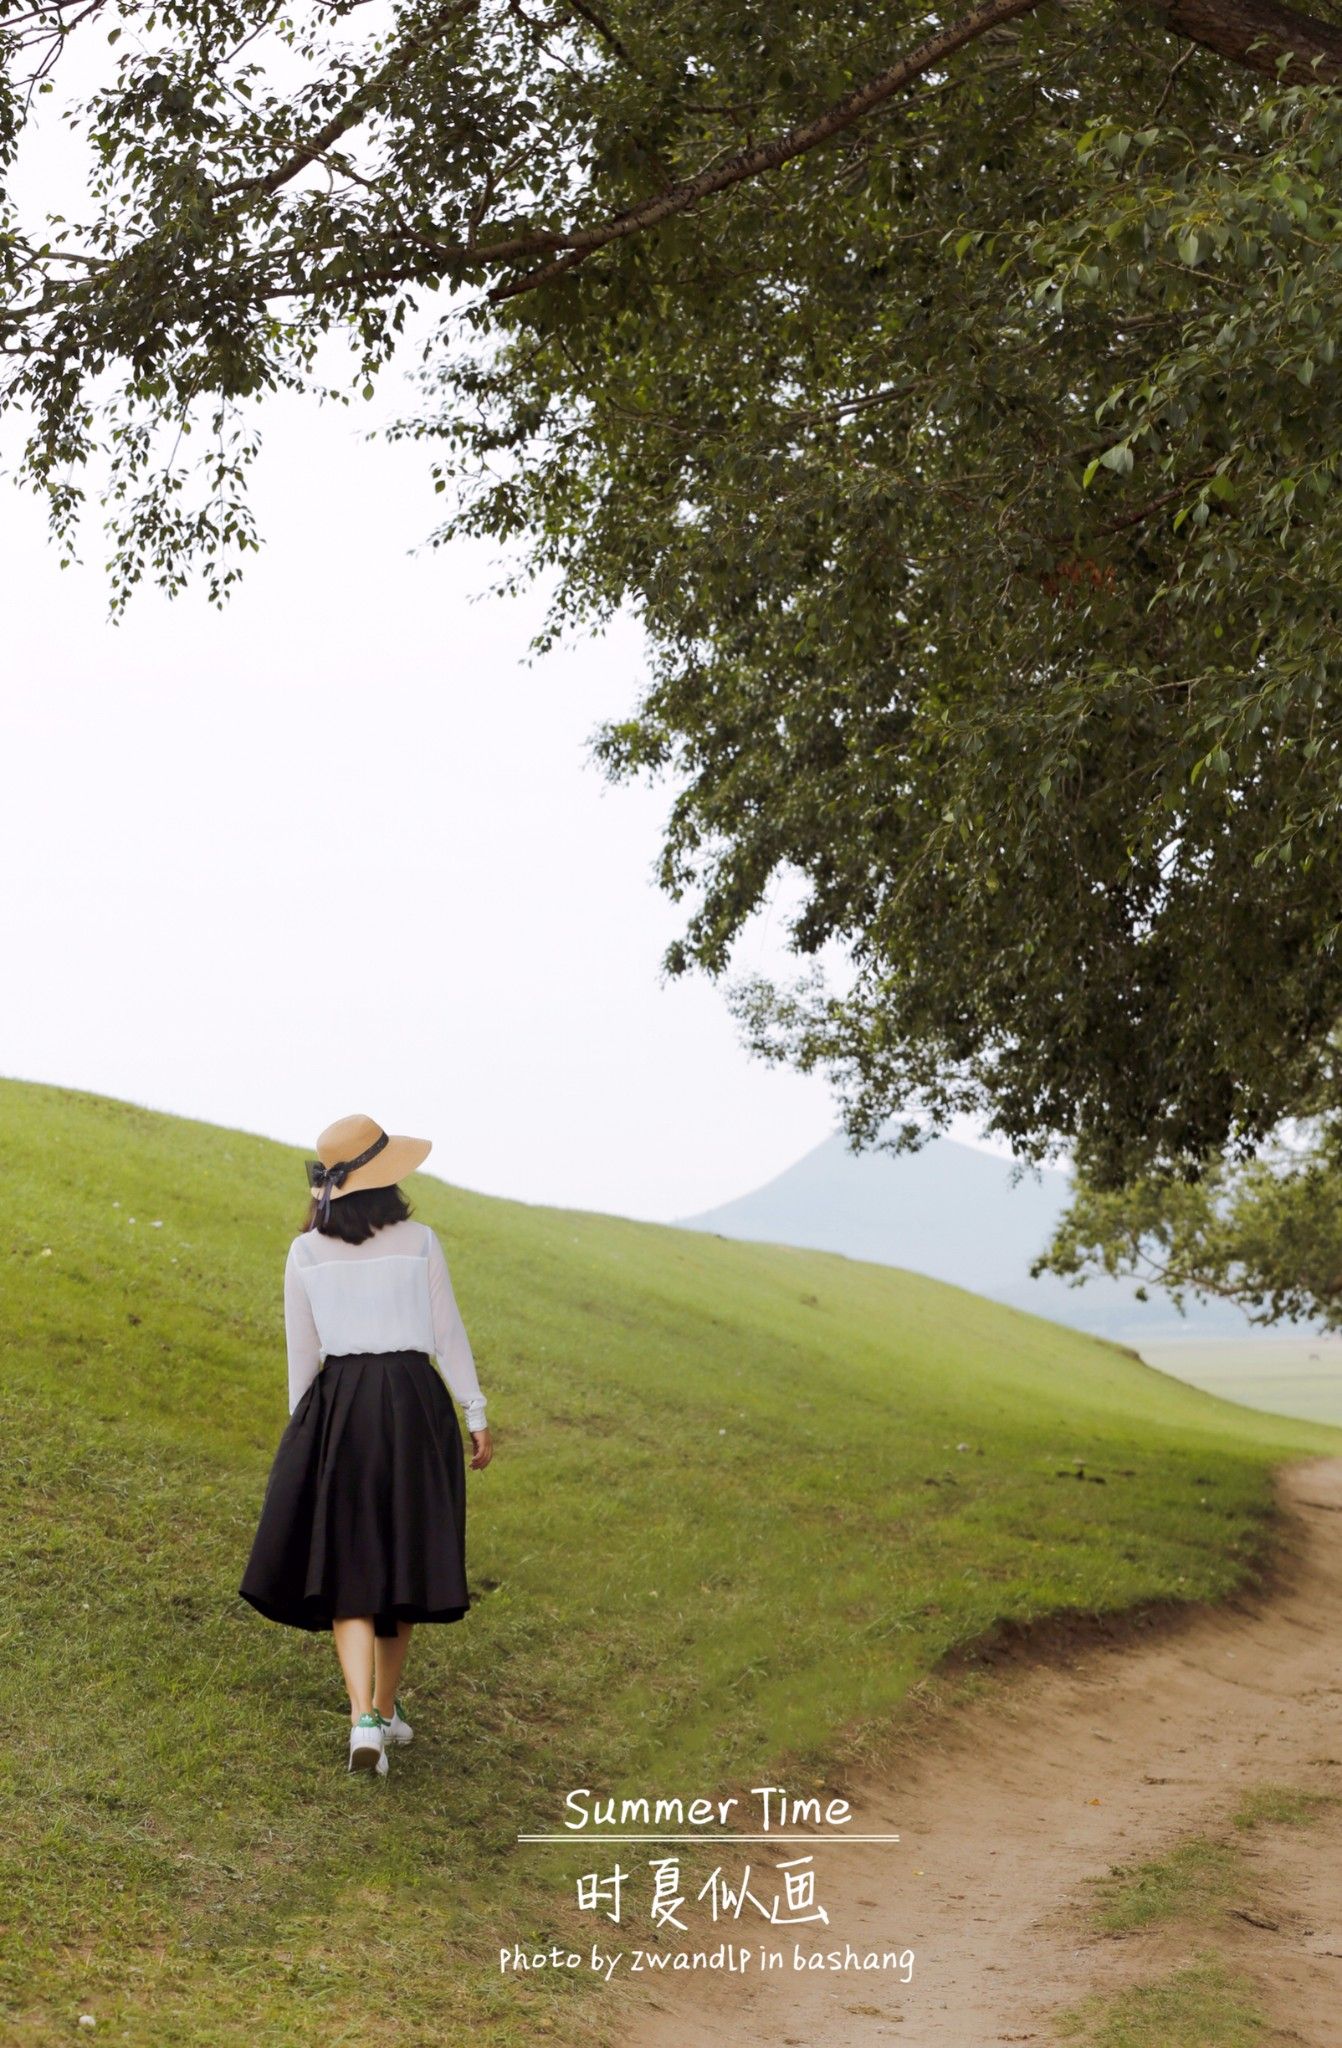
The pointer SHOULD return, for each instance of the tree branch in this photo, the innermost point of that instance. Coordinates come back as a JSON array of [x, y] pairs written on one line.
[[359, 105], [1258, 33], [767, 156]]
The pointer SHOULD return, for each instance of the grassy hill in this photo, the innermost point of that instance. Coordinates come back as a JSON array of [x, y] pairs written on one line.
[[742, 1500]]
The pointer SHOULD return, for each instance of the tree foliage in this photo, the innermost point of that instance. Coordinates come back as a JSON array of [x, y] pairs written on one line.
[[989, 559], [954, 401], [1265, 1233]]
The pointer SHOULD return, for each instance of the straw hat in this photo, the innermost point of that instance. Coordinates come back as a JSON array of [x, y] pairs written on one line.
[[356, 1153]]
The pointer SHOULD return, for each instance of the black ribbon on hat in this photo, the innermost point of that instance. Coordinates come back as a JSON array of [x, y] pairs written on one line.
[[329, 1177]]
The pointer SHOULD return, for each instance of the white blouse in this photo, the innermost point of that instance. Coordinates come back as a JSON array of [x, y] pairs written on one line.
[[393, 1292]]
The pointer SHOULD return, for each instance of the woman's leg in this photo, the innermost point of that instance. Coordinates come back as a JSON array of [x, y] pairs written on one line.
[[354, 1646], [388, 1661]]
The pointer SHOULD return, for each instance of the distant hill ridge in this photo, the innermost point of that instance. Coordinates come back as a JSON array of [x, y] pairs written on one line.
[[954, 1213]]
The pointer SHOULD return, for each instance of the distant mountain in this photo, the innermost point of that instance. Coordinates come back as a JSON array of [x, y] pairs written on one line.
[[955, 1214]]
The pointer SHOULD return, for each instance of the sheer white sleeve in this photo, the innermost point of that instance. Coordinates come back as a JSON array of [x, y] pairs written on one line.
[[450, 1342], [300, 1332]]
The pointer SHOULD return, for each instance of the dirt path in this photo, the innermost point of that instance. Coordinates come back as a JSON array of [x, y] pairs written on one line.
[[1016, 1798]]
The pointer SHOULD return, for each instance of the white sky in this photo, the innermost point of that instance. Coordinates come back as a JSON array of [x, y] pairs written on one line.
[[340, 848]]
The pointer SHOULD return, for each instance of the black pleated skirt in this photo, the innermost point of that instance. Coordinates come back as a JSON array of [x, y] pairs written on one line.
[[365, 1506]]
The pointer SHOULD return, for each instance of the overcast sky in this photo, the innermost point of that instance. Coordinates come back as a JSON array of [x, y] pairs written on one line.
[[341, 848]]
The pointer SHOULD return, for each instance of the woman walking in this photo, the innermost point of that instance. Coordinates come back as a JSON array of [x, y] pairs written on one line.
[[363, 1525]]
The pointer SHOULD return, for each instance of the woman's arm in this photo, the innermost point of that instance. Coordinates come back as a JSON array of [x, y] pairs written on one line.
[[300, 1332], [450, 1342]]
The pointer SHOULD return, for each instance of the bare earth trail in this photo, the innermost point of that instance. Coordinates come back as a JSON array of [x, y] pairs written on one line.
[[1009, 1803]]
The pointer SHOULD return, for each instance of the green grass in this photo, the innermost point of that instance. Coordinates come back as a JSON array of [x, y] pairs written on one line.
[[1196, 1880], [1204, 2006], [1282, 1806], [1203, 1875], [742, 1500], [1194, 1885], [1299, 1376]]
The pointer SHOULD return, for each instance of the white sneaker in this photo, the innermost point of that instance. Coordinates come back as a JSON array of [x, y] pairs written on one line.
[[367, 1750], [397, 1729]]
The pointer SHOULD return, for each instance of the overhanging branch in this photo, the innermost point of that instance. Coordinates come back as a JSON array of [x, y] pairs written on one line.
[[1259, 34], [1256, 33], [768, 156]]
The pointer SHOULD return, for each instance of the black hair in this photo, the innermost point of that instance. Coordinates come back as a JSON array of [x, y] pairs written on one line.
[[357, 1215]]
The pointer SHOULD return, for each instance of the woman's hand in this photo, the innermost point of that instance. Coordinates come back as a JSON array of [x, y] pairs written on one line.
[[484, 1448]]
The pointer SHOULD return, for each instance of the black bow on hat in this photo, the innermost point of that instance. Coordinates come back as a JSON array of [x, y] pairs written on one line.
[[328, 1178]]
